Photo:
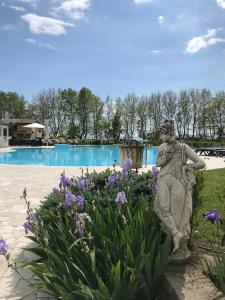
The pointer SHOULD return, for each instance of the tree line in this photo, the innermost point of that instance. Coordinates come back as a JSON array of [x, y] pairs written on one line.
[[196, 113]]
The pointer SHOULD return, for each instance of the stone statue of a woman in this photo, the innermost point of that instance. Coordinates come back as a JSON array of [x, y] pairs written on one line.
[[173, 200]]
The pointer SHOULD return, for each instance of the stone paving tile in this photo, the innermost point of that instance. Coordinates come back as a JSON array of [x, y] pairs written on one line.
[[39, 181], [3, 265]]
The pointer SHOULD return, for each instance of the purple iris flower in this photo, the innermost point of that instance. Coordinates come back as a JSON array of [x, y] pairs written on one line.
[[33, 217], [212, 215], [79, 200], [112, 180], [155, 171], [84, 184], [121, 199], [125, 172], [28, 227], [70, 199], [3, 247], [55, 190], [128, 164], [65, 181], [153, 187], [80, 222]]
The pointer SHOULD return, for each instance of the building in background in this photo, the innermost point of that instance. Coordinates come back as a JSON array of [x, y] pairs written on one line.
[[4, 133], [20, 135]]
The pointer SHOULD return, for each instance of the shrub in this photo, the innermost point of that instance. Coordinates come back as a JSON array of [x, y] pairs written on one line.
[[197, 201], [107, 250]]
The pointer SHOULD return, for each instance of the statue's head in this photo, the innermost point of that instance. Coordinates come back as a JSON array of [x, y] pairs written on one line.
[[167, 131]]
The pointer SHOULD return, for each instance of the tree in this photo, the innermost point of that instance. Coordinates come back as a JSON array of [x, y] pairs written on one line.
[[69, 99], [142, 116], [49, 105], [129, 105], [40, 107], [220, 113], [205, 98], [11, 104], [194, 100], [116, 125], [169, 104], [84, 101], [97, 116], [155, 112], [183, 117]]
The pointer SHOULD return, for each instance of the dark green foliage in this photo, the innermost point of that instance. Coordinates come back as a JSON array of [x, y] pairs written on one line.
[[73, 131], [214, 269], [197, 199], [51, 202], [116, 126], [141, 184], [138, 185], [13, 104], [118, 255], [96, 142]]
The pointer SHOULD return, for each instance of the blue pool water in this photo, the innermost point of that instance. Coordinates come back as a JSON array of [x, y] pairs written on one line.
[[65, 155]]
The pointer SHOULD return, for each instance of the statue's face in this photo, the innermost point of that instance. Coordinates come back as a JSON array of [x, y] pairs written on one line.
[[166, 137]]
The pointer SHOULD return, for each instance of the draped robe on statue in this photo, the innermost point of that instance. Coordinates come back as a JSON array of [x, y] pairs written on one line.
[[173, 200]]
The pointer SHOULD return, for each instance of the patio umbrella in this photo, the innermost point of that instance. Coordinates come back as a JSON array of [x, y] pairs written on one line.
[[34, 125]]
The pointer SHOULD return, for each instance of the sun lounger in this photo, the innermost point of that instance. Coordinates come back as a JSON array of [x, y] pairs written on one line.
[[70, 141], [211, 151], [62, 141], [76, 142], [55, 141], [47, 142]]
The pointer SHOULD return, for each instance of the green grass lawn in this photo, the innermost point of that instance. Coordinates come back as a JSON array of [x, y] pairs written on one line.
[[213, 197]]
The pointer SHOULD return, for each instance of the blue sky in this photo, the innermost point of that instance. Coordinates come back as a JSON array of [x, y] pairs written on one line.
[[113, 47]]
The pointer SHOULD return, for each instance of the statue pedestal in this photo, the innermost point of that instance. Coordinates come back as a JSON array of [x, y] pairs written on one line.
[[133, 151], [181, 257]]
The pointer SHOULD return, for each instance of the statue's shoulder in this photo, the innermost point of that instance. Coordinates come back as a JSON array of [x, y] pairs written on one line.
[[181, 145], [162, 146], [184, 146]]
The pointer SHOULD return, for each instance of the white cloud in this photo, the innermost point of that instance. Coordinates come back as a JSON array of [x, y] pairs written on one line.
[[156, 51], [142, 1], [44, 25], [161, 19], [203, 41], [39, 44], [73, 8], [17, 8], [221, 3], [3, 4], [9, 27]]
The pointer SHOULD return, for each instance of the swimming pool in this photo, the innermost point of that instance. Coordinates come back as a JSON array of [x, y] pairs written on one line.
[[65, 155]]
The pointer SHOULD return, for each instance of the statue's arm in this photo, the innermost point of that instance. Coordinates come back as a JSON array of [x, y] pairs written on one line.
[[197, 161], [163, 157]]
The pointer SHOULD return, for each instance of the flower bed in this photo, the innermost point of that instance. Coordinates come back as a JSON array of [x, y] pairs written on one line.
[[98, 238]]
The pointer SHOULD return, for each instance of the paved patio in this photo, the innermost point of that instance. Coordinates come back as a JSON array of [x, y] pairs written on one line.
[[39, 181]]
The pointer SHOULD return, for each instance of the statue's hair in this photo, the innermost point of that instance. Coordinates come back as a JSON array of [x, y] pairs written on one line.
[[167, 127]]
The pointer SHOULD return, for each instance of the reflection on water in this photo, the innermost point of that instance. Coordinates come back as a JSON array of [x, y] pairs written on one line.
[[71, 156]]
